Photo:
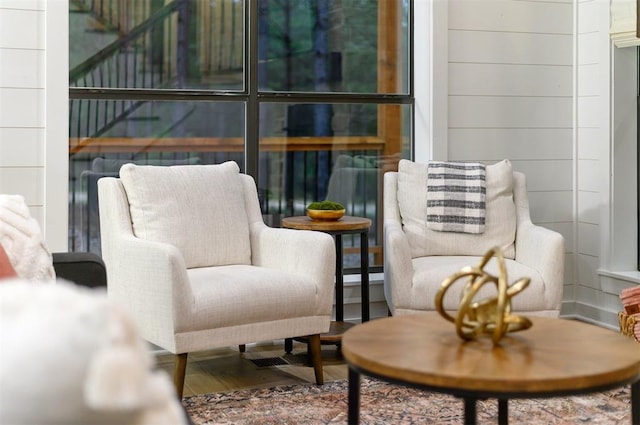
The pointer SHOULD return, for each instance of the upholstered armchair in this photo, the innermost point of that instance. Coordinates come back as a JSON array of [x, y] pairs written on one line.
[[188, 254], [418, 258]]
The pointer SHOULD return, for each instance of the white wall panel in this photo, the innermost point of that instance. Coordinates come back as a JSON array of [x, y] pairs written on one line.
[[509, 112], [551, 207], [590, 176], [587, 54], [588, 239], [512, 16], [513, 48], [510, 80], [590, 112], [26, 70], [25, 181], [21, 147], [22, 29], [494, 144], [21, 107], [588, 21], [589, 206], [546, 175], [23, 4], [590, 143], [589, 80]]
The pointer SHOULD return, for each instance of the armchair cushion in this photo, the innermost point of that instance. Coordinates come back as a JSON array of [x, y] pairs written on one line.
[[500, 214], [217, 231]]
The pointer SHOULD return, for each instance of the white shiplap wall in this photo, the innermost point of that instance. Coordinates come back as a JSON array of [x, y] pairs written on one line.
[[22, 106], [33, 110], [510, 82]]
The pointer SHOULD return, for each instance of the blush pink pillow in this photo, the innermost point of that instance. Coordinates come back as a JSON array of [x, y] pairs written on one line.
[[6, 268]]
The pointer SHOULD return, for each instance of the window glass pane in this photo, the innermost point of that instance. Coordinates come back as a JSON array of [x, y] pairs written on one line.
[[354, 46], [106, 134], [186, 44], [339, 152]]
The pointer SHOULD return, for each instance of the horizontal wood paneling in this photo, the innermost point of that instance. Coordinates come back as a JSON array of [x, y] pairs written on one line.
[[23, 4], [21, 107], [513, 143], [26, 70], [551, 207], [588, 239], [510, 80], [546, 175], [589, 205], [510, 48], [21, 147], [512, 16], [26, 181], [22, 29], [590, 176], [509, 112]]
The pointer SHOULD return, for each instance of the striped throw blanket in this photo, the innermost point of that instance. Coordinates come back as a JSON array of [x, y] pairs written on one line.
[[456, 196]]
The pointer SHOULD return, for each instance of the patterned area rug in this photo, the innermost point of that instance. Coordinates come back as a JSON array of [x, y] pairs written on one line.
[[382, 403]]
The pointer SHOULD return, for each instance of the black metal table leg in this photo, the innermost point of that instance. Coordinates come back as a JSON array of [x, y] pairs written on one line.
[[503, 411], [354, 397], [364, 274], [635, 403], [339, 280], [469, 411]]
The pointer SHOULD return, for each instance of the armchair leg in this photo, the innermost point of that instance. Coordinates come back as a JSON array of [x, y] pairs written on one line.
[[179, 372], [315, 349]]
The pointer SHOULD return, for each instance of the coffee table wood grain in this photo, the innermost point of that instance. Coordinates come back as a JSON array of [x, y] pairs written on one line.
[[554, 357]]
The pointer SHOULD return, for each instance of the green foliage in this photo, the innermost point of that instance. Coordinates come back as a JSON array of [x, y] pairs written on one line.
[[325, 205]]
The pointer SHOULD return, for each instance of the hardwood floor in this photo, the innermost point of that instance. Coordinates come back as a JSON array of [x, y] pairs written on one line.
[[227, 369]]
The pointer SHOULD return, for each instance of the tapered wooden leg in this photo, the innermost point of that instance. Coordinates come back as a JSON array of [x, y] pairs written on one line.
[[179, 373], [242, 348], [315, 349]]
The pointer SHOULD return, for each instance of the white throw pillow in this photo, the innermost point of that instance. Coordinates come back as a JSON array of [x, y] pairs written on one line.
[[197, 208], [500, 214]]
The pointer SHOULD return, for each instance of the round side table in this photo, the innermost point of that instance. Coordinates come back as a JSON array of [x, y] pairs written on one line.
[[344, 226]]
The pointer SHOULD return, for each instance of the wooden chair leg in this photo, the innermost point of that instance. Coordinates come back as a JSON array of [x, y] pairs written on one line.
[[315, 350], [242, 348], [179, 372]]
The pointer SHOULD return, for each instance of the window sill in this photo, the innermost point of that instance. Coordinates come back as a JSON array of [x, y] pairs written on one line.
[[628, 276]]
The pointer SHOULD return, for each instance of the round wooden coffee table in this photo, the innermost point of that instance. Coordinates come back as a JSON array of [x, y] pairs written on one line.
[[554, 357]]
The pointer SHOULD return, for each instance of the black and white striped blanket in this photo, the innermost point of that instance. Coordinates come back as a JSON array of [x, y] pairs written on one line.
[[456, 196]]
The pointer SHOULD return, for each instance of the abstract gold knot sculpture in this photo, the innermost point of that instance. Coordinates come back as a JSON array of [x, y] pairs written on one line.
[[490, 315]]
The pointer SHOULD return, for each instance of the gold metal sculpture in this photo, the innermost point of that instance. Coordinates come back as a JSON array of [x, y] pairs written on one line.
[[489, 315]]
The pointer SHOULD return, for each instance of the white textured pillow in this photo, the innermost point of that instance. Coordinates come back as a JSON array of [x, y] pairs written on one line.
[[197, 208], [500, 214]]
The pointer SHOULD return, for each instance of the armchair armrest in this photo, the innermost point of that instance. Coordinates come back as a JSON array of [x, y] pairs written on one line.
[[81, 268], [398, 268], [150, 279], [543, 250], [302, 252]]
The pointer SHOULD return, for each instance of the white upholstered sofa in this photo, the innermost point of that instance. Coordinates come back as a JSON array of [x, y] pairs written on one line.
[[418, 259]]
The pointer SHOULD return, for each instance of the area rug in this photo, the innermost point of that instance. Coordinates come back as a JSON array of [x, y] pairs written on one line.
[[382, 403]]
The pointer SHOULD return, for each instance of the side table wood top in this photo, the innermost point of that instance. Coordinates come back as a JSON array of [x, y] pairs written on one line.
[[553, 356], [346, 223]]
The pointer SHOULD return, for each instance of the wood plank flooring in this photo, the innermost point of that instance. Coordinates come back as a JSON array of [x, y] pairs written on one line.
[[227, 369]]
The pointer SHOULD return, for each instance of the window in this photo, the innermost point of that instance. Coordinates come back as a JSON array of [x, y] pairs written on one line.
[[313, 98]]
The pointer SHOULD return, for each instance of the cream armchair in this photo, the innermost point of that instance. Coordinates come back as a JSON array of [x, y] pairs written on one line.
[[418, 259], [188, 254]]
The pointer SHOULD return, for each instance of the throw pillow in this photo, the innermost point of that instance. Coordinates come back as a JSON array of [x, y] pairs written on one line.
[[6, 268], [500, 214], [197, 208]]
